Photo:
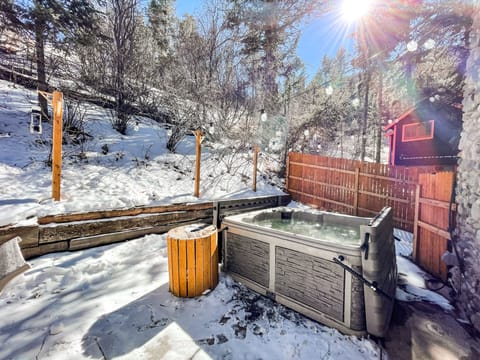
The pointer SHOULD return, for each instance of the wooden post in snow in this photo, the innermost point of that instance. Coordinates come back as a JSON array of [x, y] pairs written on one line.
[[56, 100], [198, 136], [57, 104], [256, 149]]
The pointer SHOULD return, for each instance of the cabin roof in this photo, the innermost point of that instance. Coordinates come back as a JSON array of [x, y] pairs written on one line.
[[403, 116], [425, 109]]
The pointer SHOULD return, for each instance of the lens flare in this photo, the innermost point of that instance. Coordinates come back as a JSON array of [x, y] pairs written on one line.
[[352, 10]]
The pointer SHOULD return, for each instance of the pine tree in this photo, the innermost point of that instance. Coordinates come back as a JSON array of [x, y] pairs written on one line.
[[160, 16], [379, 32], [57, 21], [269, 34]]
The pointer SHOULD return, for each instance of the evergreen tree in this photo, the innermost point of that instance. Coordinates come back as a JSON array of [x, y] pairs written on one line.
[[269, 32], [161, 18], [379, 32], [57, 21]]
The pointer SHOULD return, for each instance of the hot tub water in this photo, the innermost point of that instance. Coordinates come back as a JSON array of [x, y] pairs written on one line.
[[344, 234]]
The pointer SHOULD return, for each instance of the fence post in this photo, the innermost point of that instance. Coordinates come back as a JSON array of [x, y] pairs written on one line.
[[198, 136], [57, 104], [287, 171], [56, 100], [415, 223], [355, 194], [255, 160]]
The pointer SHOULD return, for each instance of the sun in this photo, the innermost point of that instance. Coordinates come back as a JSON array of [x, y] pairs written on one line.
[[352, 10]]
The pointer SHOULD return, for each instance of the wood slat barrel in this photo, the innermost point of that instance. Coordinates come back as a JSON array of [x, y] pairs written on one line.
[[192, 259]]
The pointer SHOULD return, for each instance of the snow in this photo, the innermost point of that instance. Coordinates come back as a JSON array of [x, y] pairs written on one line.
[[113, 301], [106, 302], [411, 279]]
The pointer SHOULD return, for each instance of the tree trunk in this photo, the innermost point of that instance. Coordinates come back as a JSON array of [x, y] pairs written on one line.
[[40, 60], [365, 114], [378, 147], [270, 72]]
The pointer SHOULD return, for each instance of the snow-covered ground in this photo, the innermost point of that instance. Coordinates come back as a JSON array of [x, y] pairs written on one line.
[[113, 301]]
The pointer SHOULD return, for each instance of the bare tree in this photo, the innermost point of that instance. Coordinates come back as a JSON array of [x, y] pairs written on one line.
[[123, 23]]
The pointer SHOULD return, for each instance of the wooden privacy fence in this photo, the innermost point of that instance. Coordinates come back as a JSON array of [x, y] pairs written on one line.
[[433, 221], [353, 187]]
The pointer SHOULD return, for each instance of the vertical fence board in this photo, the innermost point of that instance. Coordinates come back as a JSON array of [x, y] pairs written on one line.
[[432, 245]]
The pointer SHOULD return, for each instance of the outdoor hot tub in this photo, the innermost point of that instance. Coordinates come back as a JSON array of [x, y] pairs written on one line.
[[337, 269]]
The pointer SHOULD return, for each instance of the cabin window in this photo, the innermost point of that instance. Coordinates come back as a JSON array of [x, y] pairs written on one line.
[[418, 131]]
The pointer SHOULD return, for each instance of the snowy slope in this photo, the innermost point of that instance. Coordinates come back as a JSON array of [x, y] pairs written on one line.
[[136, 170]]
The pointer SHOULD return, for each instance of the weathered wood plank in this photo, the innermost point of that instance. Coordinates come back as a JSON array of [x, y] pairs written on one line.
[[28, 234], [105, 239], [43, 249], [97, 215], [49, 233]]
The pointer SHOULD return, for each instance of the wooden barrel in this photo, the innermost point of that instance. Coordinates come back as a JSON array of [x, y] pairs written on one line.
[[192, 259]]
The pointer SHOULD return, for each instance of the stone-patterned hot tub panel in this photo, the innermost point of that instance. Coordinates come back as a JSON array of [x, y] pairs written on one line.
[[310, 280], [249, 258]]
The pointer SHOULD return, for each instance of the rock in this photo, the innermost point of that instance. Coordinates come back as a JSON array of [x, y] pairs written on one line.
[[221, 338], [240, 330]]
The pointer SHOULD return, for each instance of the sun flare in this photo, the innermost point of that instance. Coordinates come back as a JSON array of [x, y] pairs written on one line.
[[352, 10]]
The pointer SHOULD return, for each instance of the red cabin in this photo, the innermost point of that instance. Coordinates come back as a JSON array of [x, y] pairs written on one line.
[[427, 134]]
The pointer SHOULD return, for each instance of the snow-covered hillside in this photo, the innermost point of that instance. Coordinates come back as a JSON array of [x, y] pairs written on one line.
[[110, 170]]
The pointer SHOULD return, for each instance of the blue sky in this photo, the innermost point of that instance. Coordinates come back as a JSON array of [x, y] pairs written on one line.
[[324, 36]]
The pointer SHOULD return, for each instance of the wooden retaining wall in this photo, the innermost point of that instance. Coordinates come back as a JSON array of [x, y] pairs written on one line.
[[83, 230]]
